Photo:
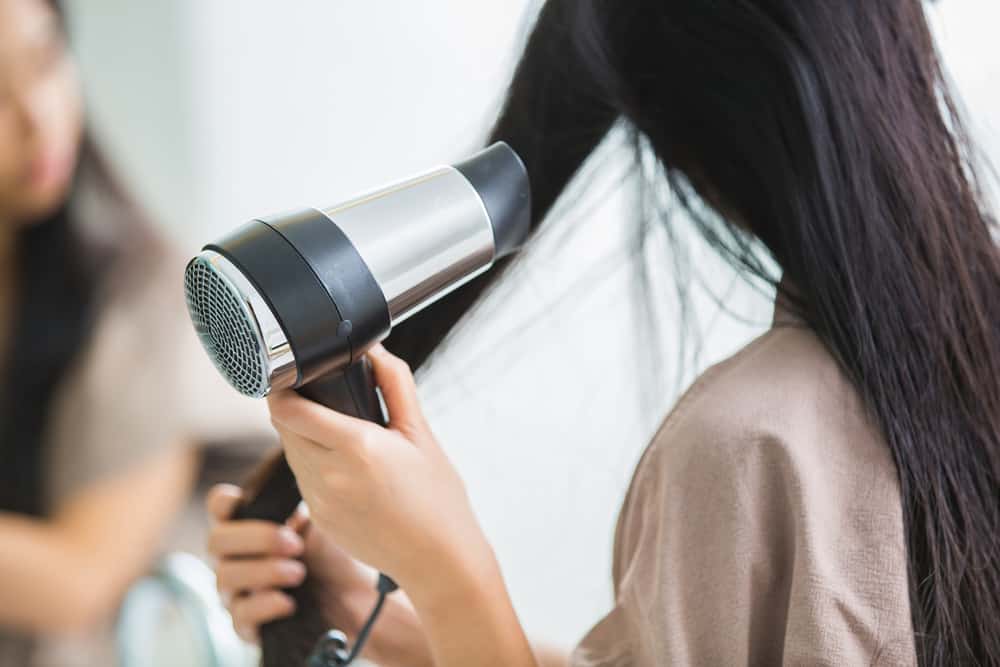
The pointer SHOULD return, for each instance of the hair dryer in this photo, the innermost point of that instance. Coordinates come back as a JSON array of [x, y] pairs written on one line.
[[295, 300]]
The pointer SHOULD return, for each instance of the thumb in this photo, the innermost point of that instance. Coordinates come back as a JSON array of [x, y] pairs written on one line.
[[395, 380], [299, 521], [222, 501]]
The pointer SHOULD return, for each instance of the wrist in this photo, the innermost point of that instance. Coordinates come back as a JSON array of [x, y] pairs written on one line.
[[469, 587], [398, 639], [469, 618], [457, 580]]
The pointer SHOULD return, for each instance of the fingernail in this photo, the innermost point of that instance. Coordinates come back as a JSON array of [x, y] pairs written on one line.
[[290, 540], [292, 571]]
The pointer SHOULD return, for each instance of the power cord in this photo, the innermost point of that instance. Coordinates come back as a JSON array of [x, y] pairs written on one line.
[[332, 648]]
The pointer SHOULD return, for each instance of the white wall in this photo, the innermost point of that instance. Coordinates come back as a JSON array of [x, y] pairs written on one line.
[[308, 102], [966, 33], [137, 64], [234, 108]]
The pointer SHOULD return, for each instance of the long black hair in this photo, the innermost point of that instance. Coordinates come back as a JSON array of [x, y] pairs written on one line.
[[826, 131]]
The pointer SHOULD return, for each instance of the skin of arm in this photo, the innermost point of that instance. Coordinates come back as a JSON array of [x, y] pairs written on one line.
[[468, 619], [68, 572], [551, 656]]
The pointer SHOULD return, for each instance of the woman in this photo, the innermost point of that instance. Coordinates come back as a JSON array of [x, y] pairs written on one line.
[[829, 495], [101, 372]]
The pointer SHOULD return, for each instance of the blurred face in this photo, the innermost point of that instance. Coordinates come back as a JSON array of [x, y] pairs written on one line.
[[40, 112]]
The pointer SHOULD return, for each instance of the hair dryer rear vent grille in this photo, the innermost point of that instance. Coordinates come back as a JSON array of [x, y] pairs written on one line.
[[226, 327]]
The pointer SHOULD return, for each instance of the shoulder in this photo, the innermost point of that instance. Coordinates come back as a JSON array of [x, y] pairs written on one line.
[[773, 450], [144, 368], [143, 379], [780, 431], [139, 320], [781, 398], [771, 501], [141, 383]]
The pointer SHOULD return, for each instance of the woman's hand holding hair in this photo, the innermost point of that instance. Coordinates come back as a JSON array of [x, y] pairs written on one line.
[[257, 559], [390, 498]]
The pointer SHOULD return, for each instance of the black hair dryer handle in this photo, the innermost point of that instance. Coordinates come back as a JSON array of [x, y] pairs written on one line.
[[273, 494], [350, 392]]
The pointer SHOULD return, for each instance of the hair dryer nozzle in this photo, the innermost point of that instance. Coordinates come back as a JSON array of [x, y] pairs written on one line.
[[237, 328]]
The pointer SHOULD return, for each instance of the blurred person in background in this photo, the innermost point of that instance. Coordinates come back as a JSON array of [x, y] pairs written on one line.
[[104, 388]]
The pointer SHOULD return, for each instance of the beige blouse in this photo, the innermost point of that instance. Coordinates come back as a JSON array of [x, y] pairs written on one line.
[[763, 525]]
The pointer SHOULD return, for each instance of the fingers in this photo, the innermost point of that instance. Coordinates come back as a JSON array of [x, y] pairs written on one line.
[[222, 501], [252, 611], [241, 539], [399, 389], [236, 576], [299, 521], [314, 422]]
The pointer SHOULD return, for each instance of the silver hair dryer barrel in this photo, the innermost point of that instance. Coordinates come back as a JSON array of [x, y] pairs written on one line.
[[287, 299]]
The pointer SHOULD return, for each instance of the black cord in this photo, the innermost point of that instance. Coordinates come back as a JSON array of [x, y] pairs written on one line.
[[331, 649]]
